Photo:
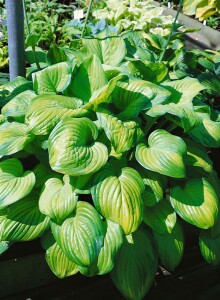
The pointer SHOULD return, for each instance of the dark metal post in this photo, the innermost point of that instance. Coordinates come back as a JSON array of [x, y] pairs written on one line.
[[15, 28]]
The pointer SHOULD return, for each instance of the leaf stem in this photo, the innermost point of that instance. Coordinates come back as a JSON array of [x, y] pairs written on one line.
[[87, 17], [171, 32]]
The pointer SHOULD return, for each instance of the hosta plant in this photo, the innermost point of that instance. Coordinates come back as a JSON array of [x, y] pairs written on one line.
[[104, 157]]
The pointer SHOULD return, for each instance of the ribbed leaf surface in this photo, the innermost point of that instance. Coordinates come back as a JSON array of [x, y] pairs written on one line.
[[73, 149], [58, 198], [59, 264], [196, 202], [135, 265], [164, 154], [45, 111], [13, 138], [14, 182], [81, 236], [117, 195]]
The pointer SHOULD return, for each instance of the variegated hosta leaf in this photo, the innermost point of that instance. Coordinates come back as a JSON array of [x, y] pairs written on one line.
[[196, 202], [137, 95], [155, 185], [197, 156], [207, 132], [13, 138], [58, 198], [164, 154], [43, 173], [116, 193], [14, 182], [45, 111], [59, 264], [170, 246], [135, 265], [161, 217], [73, 149], [53, 79], [18, 106], [183, 90], [23, 221], [123, 135], [81, 236], [112, 243], [93, 77]]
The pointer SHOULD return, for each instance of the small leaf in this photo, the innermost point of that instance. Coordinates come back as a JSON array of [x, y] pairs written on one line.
[[59, 264], [73, 149], [196, 202], [164, 154], [81, 236], [14, 182], [116, 193], [4, 246], [135, 265], [170, 246]]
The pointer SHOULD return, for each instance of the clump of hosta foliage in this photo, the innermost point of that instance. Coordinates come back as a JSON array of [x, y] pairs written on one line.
[[135, 15], [104, 157]]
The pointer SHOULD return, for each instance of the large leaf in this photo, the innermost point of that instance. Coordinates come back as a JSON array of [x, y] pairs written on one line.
[[59, 264], [13, 138], [123, 135], [14, 182], [89, 78], [135, 265], [81, 236], [73, 149], [161, 217], [183, 90], [196, 202], [45, 111], [110, 51], [164, 154], [170, 246], [130, 98], [58, 198], [53, 79], [22, 221], [112, 243], [18, 106], [189, 6], [116, 193]]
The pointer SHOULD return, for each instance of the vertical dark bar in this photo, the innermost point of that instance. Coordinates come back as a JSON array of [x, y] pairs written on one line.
[[15, 26]]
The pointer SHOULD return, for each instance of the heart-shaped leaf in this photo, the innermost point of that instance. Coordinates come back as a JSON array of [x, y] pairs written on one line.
[[135, 265], [196, 202], [73, 149], [53, 79], [14, 182], [116, 193], [59, 264], [58, 198], [81, 236], [164, 154], [170, 246]]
